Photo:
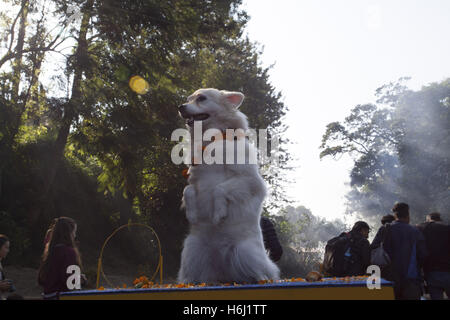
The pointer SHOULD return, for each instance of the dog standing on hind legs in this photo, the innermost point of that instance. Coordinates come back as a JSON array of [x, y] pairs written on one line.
[[223, 202]]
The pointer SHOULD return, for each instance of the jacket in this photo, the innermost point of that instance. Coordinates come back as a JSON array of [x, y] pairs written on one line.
[[437, 239], [360, 252], [407, 250], [379, 238], [56, 279]]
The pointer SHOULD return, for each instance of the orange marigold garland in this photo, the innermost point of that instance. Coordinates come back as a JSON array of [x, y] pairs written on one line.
[[144, 283]]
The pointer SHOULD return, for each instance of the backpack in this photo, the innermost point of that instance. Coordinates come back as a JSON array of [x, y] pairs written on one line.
[[338, 259]]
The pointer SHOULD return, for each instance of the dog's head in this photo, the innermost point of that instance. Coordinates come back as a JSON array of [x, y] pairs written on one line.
[[215, 109]]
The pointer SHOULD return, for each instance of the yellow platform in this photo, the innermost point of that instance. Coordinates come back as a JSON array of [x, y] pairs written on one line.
[[327, 289]]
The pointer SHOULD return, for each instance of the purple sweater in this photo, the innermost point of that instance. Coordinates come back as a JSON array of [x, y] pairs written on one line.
[[57, 275]]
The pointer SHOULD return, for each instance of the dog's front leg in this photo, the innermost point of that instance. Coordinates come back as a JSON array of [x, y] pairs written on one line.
[[189, 203], [242, 191], [220, 204]]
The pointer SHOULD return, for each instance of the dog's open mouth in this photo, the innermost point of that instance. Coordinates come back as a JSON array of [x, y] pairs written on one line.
[[196, 117]]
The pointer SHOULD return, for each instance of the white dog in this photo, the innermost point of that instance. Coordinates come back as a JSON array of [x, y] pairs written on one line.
[[223, 203]]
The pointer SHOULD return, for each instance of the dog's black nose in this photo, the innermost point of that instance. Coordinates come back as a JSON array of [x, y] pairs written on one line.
[[182, 108]]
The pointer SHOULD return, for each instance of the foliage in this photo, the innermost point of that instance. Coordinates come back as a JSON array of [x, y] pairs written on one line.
[[303, 237], [401, 151], [75, 140]]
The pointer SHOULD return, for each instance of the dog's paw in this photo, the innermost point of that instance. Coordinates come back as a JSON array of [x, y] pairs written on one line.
[[191, 216], [220, 205]]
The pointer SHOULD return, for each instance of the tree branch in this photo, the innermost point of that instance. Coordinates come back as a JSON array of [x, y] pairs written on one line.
[[14, 25]]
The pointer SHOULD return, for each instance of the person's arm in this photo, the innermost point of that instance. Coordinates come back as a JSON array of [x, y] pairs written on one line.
[[378, 238], [365, 254], [277, 250], [421, 248], [271, 241], [387, 244], [5, 286]]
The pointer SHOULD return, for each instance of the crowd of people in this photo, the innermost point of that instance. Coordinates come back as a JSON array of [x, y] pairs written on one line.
[[418, 257]]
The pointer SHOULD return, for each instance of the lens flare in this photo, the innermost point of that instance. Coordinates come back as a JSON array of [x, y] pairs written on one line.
[[139, 85]]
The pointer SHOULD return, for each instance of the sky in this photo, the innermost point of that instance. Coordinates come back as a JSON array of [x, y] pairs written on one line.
[[331, 55]]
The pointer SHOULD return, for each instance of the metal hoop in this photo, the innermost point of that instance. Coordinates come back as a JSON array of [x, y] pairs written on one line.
[[158, 267]]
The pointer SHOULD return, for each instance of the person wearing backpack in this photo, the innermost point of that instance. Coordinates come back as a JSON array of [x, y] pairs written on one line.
[[407, 251], [349, 253], [437, 263]]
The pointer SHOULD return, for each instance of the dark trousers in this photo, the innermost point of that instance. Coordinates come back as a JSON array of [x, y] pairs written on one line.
[[437, 283], [407, 289]]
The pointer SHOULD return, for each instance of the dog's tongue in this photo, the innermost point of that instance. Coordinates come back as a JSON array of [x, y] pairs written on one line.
[[197, 117], [201, 116]]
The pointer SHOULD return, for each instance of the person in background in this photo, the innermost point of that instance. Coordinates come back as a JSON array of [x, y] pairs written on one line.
[[407, 250], [381, 231], [6, 285], [359, 248], [387, 219], [380, 237], [271, 242], [60, 252], [437, 264], [349, 253]]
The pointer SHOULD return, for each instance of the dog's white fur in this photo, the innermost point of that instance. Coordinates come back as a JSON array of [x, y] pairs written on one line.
[[223, 206]]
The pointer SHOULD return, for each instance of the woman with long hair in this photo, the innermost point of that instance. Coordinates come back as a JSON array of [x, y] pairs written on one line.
[[60, 252]]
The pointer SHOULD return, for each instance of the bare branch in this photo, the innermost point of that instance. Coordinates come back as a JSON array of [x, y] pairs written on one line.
[[14, 25]]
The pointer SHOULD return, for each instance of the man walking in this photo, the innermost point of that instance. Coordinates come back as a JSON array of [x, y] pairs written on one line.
[[407, 250], [437, 263]]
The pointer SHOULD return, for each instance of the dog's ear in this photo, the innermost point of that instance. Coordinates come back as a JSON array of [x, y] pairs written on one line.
[[234, 98]]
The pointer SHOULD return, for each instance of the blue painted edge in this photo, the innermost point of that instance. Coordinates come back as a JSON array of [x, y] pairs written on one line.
[[282, 285]]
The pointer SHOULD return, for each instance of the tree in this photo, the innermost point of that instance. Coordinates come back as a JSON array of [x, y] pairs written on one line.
[[303, 237], [94, 149], [400, 150]]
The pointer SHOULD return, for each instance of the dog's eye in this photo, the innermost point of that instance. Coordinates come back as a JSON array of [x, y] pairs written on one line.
[[201, 98]]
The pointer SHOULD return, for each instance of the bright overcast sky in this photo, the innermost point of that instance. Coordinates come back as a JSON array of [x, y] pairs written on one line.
[[331, 55]]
